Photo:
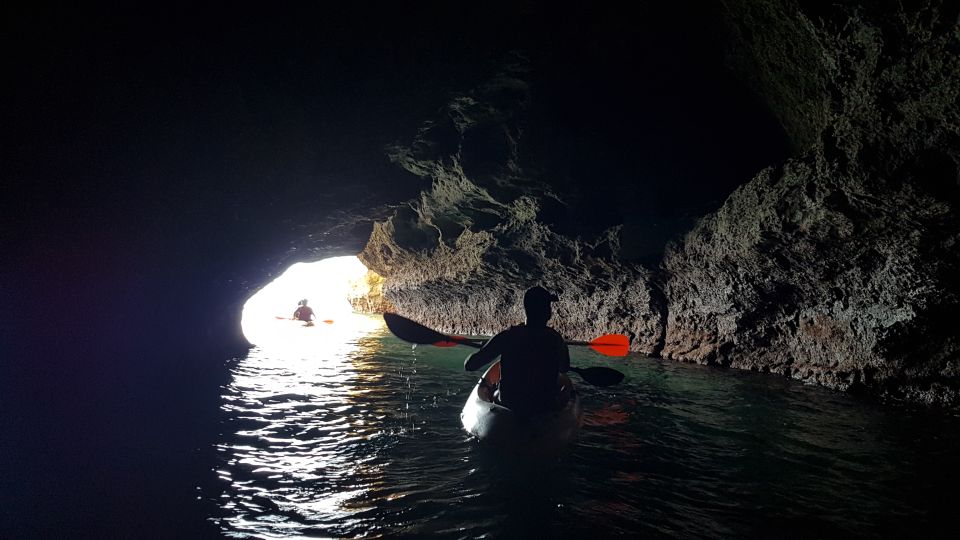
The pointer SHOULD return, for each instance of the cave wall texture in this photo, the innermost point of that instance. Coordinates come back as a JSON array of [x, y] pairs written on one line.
[[458, 257], [836, 266], [767, 185]]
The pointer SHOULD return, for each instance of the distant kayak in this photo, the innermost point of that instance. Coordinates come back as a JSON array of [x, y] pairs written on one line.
[[543, 434], [307, 323]]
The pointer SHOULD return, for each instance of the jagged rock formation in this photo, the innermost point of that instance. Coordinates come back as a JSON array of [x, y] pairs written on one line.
[[366, 295], [460, 257], [838, 267]]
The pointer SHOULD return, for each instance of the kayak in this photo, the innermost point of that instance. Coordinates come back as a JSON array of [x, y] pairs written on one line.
[[543, 434], [306, 323]]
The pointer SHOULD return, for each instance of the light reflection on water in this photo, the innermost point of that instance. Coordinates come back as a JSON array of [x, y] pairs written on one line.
[[348, 432], [301, 438]]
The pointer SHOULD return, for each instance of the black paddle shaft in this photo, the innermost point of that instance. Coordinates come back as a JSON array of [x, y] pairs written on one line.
[[414, 332]]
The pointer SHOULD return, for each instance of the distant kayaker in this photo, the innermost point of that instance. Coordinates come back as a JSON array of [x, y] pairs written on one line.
[[303, 312], [532, 355]]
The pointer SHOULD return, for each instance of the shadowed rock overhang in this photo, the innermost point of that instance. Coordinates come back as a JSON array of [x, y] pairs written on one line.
[[835, 266]]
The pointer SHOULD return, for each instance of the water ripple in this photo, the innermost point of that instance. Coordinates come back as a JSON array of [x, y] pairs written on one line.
[[361, 438]]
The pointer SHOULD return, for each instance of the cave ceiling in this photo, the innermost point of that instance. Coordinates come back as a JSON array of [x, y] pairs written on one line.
[[271, 131]]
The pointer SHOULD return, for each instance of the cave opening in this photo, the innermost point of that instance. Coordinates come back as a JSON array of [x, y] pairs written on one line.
[[331, 288]]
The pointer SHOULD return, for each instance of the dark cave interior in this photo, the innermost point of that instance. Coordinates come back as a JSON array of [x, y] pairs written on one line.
[[160, 165]]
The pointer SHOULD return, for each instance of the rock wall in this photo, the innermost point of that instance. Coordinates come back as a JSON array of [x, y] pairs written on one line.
[[460, 257], [839, 267], [824, 278], [366, 295]]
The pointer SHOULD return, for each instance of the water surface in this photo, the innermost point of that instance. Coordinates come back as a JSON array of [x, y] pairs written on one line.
[[348, 432]]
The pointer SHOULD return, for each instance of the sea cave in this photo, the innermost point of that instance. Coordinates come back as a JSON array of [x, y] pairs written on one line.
[[761, 195]]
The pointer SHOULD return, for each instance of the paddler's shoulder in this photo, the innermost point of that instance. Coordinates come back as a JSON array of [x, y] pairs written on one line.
[[516, 331], [554, 333]]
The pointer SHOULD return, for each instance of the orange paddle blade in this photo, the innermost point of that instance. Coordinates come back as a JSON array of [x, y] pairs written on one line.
[[611, 345]]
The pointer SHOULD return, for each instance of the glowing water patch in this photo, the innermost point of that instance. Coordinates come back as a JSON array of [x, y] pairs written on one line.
[[325, 284]]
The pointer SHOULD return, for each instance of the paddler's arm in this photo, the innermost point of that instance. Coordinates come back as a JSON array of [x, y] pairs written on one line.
[[490, 351]]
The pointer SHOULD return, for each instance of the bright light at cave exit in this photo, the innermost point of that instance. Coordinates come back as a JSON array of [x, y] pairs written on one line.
[[325, 284]]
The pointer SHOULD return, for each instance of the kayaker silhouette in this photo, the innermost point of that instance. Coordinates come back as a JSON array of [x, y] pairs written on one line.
[[532, 355], [303, 312]]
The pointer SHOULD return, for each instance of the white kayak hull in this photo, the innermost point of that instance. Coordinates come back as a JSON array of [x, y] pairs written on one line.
[[496, 425]]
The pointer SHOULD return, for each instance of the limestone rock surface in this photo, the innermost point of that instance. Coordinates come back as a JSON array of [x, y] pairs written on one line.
[[840, 266], [837, 267], [459, 257]]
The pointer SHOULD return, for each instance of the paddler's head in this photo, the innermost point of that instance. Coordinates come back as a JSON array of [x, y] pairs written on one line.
[[536, 303]]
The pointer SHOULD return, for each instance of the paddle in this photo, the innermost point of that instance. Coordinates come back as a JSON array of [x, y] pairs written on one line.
[[415, 332], [328, 321]]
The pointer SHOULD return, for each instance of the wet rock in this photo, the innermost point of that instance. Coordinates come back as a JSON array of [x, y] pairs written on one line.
[[366, 295], [459, 258], [839, 267]]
